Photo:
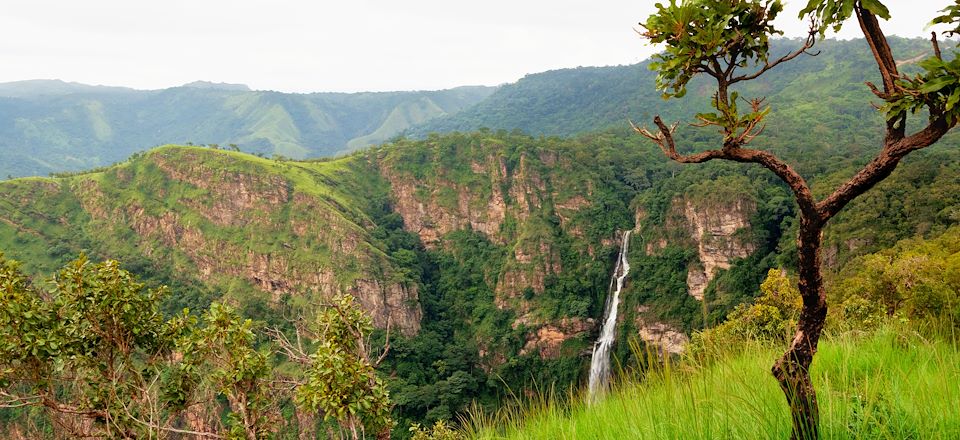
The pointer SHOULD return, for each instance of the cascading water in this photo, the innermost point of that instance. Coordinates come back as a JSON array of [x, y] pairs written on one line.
[[600, 362]]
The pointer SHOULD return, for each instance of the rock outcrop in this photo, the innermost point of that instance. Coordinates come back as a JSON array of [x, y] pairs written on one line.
[[492, 193], [548, 339], [718, 231], [664, 338]]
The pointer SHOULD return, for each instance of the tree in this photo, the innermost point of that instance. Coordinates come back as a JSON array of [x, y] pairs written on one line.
[[96, 353], [87, 351], [728, 40], [221, 358], [339, 380]]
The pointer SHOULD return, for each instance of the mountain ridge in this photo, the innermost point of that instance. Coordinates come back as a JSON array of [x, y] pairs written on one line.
[[51, 126]]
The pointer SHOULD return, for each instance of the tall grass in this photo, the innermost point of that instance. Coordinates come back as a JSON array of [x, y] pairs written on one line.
[[889, 384]]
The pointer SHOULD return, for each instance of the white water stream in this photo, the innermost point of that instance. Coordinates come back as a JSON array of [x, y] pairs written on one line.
[[600, 362]]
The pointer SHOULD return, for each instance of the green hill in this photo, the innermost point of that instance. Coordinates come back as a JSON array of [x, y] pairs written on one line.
[[570, 101], [489, 253]]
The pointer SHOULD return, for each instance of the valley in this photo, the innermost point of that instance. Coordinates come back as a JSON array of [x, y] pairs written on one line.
[[478, 228]]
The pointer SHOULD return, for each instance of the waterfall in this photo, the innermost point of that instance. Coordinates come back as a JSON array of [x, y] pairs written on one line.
[[600, 362]]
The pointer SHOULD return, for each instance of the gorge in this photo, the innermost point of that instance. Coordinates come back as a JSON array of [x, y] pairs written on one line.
[[494, 258]]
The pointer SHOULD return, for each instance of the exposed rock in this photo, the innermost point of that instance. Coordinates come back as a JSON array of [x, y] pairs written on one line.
[[234, 198], [567, 208], [516, 194], [547, 340], [431, 220], [389, 304], [273, 273], [666, 339], [341, 258], [526, 189], [715, 230], [533, 261], [91, 198], [663, 337]]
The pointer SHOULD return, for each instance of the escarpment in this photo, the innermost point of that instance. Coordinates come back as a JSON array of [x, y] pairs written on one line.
[[720, 233], [243, 226]]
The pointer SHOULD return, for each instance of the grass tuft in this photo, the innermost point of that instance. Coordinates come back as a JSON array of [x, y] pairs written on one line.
[[889, 384]]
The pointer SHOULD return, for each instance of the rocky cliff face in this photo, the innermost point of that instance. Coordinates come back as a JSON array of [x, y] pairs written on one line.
[[662, 337], [547, 340], [427, 208], [243, 225], [719, 232], [716, 229], [526, 201], [491, 195]]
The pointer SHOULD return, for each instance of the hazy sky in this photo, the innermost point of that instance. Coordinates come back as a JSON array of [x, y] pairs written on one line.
[[348, 45]]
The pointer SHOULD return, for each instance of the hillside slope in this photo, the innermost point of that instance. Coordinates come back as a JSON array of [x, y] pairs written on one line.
[[214, 225], [571, 101], [891, 384]]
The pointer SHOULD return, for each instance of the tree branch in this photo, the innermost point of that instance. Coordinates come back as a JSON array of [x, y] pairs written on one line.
[[881, 167], [168, 429], [936, 46], [897, 144], [664, 138], [870, 26], [811, 40]]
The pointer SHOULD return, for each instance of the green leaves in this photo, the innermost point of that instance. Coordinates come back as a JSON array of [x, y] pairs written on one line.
[[704, 36], [341, 383], [937, 83], [832, 13], [951, 16], [90, 343], [936, 90]]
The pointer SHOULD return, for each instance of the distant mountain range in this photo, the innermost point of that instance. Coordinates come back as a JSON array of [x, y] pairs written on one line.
[[50, 126], [53, 126]]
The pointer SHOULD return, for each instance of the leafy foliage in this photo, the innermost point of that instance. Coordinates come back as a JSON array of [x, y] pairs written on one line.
[[832, 13], [917, 279], [938, 87], [951, 16], [222, 355], [771, 317], [90, 347], [698, 34], [439, 431], [341, 383]]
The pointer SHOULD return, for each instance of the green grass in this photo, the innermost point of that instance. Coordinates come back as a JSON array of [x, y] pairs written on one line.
[[891, 384]]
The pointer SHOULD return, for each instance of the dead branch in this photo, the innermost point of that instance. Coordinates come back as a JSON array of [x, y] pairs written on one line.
[[807, 45]]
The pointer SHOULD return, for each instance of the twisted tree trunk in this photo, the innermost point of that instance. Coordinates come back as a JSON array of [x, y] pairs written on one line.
[[792, 370]]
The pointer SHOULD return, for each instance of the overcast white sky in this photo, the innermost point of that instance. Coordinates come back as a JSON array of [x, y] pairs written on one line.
[[347, 45]]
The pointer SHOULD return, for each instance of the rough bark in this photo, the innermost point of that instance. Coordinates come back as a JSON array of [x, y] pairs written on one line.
[[792, 370]]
